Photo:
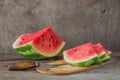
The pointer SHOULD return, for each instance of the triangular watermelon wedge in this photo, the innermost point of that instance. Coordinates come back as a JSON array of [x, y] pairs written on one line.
[[42, 44]]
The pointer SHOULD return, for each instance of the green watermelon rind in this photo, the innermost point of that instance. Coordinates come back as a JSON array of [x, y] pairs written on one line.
[[101, 56], [29, 51], [105, 59], [85, 62], [110, 52]]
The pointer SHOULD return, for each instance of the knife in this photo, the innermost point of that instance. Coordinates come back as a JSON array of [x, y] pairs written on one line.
[[54, 67], [25, 65]]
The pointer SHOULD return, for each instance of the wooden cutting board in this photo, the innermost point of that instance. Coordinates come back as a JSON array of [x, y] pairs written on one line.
[[65, 68]]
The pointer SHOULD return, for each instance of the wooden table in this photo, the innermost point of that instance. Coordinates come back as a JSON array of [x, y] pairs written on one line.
[[110, 71]]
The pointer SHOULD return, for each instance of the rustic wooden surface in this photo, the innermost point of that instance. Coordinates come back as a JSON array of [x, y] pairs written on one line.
[[110, 71], [76, 21], [66, 69]]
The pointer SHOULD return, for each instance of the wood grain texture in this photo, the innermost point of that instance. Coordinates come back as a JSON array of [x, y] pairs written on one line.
[[66, 69], [76, 21]]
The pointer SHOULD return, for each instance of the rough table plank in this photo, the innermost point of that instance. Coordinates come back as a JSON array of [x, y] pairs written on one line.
[[110, 71]]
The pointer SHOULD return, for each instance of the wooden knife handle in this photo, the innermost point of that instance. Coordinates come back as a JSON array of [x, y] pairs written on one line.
[[22, 65]]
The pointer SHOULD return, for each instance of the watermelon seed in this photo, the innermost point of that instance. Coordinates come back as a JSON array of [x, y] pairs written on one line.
[[56, 41], [49, 45], [51, 37], [43, 39], [22, 39], [42, 35], [75, 49]]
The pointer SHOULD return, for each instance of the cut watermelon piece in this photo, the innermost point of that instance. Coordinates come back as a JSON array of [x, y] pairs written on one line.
[[86, 54], [83, 55], [102, 52], [42, 44]]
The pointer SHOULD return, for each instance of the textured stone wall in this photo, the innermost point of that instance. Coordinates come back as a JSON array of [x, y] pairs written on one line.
[[76, 21]]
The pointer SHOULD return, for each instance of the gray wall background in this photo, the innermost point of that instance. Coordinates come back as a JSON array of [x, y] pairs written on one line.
[[75, 21]]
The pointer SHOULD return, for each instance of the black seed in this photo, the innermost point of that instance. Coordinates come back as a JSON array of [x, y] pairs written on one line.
[[43, 39], [42, 35], [56, 41], [51, 37], [22, 39], [75, 49], [49, 45]]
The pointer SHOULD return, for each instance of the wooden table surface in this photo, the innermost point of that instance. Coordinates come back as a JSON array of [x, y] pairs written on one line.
[[110, 71]]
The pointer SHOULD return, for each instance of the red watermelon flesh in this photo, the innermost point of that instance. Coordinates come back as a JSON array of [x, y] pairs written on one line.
[[78, 49], [99, 49], [25, 38], [86, 54], [44, 43], [48, 41], [80, 53]]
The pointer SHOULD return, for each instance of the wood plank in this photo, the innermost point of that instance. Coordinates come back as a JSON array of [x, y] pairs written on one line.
[[66, 69], [57, 62]]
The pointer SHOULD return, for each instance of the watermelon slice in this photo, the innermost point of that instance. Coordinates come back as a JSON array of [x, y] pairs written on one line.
[[42, 44], [86, 54], [83, 55]]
